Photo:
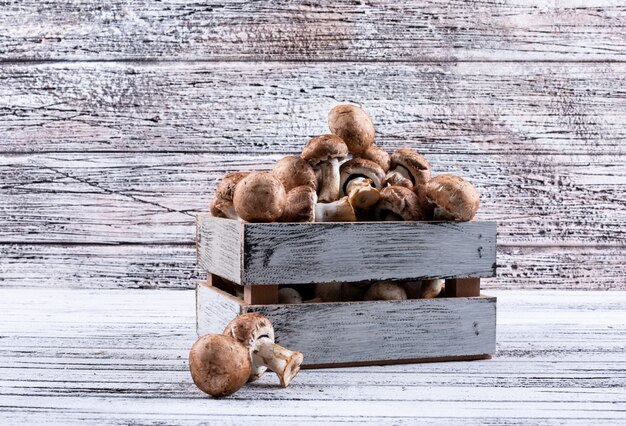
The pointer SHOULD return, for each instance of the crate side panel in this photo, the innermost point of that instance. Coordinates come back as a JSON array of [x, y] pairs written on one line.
[[309, 253], [219, 247], [385, 331], [214, 309]]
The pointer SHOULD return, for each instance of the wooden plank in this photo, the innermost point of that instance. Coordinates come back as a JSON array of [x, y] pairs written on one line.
[[260, 295], [171, 266], [285, 253], [528, 108], [409, 330], [560, 359], [220, 248], [214, 309], [462, 287], [295, 30]]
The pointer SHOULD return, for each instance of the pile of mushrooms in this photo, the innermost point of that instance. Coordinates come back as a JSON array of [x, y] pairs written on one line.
[[221, 364], [344, 177]]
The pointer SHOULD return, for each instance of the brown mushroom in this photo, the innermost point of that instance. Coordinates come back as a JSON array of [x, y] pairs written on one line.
[[289, 296], [302, 206], [339, 292], [219, 365], [378, 155], [257, 334], [385, 290], [408, 169], [361, 180], [425, 289], [400, 203], [222, 203], [456, 198], [259, 197], [293, 171], [353, 125], [325, 152]]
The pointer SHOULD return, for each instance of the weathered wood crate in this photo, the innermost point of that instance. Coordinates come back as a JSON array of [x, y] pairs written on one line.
[[253, 259]]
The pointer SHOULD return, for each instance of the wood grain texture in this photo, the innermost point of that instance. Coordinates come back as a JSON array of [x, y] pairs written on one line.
[[286, 30], [173, 266], [498, 109], [367, 332], [287, 253], [152, 198], [560, 360]]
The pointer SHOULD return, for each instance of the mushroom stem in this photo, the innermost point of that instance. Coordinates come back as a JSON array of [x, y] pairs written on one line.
[[361, 193], [329, 188], [282, 361], [398, 177], [338, 211]]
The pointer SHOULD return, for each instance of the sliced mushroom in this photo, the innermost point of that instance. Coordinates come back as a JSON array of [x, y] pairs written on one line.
[[219, 365], [302, 206], [456, 198], [325, 152], [353, 125], [222, 203], [384, 290], [399, 203], [408, 169], [378, 155], [293, 171], [259, 197], [257, 334], [289, 296], [361, 181]]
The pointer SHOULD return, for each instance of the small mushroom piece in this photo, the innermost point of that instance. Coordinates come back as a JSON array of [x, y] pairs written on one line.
[[222, 203], [384, 290], [399, 203], [325, 152], [353, 125], [257, 334], [219, 365], [259, 197], [455, 198], [408, 169], [431, 288], [293, 171], [378, 155], [361, 181], [289, 296], [302, 206]]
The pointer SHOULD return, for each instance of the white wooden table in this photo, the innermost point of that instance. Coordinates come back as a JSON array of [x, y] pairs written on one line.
[[107, 356]]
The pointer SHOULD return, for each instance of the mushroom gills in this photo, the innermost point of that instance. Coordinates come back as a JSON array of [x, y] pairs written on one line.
[[400, 176], [282, 361]]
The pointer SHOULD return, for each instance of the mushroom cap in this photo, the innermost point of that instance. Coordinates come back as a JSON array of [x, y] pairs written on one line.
[[226, 188], [455, 195], [247, 328], [353, 125], [289, 295], [293, 171], [360, 167], [378, 155], [416, 164], [216, 208], [323, 148], [384, 290], [400, 201], [219, 365], [300, 205], [259, 197]]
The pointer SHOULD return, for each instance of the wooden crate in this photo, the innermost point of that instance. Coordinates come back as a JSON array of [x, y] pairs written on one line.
[[255, 258]]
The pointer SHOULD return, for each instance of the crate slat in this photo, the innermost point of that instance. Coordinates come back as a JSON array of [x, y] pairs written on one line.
[[362, 333], [289, 253]]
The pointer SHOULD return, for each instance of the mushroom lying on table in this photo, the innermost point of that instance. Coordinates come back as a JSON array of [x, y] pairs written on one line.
[[222, 203], [302, 206], [361, 181], [219, 365], [257, 334], [259, 197], [353, 125], [325, 152], [456, 198]]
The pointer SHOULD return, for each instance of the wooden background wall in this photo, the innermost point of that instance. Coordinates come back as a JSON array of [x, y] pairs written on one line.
[[117, 119]]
